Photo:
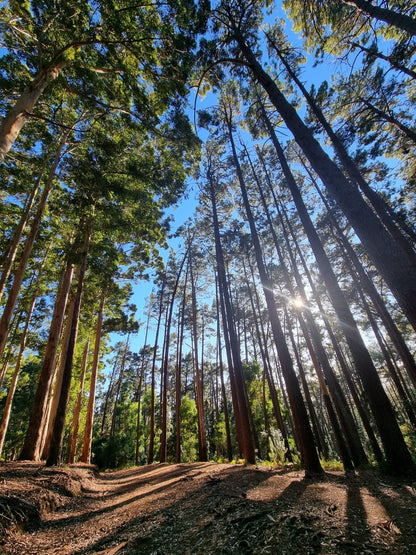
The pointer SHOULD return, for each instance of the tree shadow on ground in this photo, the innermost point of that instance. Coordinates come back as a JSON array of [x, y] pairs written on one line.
[[220, 515], [87, 515], [207, 509]]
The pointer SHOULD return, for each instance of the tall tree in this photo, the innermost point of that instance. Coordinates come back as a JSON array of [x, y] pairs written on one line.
[[238, 22]]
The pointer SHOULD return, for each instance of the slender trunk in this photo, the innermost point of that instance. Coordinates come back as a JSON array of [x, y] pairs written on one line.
[[150, 453], [73, 438], [18, 232], [339, 355], [328, 380], [245, 440], [178, 373], [309, 456], [12, 388], [139, 390], [165, 363], [116, 399], [55, 451], [109, 392], [261, 337], [316, 422], [32, 443], [86, 446], [139, 398], [337, 349], [221, 370], [337, 423], [397, 454], [35, 281], [233, 382], [202, 442]]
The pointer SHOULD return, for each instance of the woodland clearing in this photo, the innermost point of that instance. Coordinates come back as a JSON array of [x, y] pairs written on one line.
[[202, 508]]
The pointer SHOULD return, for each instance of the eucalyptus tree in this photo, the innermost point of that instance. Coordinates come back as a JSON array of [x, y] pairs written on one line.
[[116, 57]]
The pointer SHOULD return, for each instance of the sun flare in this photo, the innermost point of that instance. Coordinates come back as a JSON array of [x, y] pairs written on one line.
[[297, 302]]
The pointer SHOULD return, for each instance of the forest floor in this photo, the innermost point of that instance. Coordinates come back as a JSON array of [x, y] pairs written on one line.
[[202, 508]]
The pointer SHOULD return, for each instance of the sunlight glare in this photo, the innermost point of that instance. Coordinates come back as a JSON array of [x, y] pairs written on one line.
[[297, 303]]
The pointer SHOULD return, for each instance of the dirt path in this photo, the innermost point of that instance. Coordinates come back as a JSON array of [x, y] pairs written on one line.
[[201, 508]]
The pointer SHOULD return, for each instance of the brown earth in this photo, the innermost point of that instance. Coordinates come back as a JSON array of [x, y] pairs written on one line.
[[202, 508]]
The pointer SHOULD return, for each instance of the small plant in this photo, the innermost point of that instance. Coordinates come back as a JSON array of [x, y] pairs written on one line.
[[332, 464]]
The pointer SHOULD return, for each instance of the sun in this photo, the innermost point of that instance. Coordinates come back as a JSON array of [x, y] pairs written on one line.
[[297, 302]]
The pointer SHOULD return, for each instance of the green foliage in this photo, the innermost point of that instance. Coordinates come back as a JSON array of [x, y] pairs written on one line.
[[189, 429]]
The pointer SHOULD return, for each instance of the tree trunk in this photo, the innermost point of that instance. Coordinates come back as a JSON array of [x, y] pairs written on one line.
[[178, 372], [116, 399], [139, 390], [17, 116], [320, 360], [397, 454], [18, 233], [12, 388], [353, 261], [309, 456], [73, 438], [150, 452], [401, 21], [56, 383], [55, 451], [86, 446], [245, 440], [221, 370], [261, 338], [32, 443], [202, 442]]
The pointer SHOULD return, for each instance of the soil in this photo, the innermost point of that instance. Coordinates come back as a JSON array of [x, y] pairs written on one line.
[[202, 508]]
